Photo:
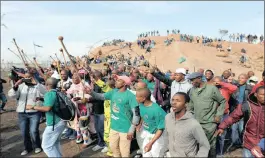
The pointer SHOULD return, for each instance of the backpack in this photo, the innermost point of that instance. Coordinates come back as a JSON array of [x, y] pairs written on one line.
[[65, 109]]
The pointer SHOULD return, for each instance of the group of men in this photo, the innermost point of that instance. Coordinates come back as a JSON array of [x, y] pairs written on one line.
[[250, 38], [177, 114]]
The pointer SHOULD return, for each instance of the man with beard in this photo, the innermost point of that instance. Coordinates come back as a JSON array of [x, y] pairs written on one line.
[[63, 85], [124, 115], [152, 125], [226, 90], [185, 135], [252, 112], [204, 100]]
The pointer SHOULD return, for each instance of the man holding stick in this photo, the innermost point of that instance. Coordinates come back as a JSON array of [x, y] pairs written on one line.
[[124, 116]]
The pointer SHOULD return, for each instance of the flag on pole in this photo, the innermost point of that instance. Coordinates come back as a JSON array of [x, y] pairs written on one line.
[[37, 45]]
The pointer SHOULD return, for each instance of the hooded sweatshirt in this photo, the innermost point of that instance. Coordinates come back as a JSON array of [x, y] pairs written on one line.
[[186, 136], [184, 86]]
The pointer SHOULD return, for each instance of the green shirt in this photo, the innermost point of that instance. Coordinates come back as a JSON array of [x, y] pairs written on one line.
[[50, 100], [206, 102], [150, 85], [153, 117], [121, 105]]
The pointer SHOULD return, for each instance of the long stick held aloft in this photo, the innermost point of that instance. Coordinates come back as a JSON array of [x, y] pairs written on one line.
[[14, 53], [61, 50], [72, 63], [19, 51]]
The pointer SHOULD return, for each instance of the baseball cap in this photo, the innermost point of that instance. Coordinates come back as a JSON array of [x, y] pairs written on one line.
[[194, 75], [181, 71], [126, 79], [82, 71], [253, 78]]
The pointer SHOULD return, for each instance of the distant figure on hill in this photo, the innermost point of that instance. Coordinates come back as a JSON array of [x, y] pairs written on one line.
[[261, 38], [167, 32], [229, 48], [243, 57]]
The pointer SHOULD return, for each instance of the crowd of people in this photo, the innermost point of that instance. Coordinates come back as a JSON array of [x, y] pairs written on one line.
[[156, 33], [114, 42], [250, 38], [171, 114]]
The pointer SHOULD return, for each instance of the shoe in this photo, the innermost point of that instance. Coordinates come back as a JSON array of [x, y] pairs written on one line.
[[139, 151], [38, 150], [72, 137], [79, 139], [89, 141], [65, 131], [97, 147], [25, 152], [104, 150], [64, 136]]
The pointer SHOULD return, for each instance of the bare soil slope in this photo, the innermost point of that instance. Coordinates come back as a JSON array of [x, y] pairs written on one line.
[[197, 56]]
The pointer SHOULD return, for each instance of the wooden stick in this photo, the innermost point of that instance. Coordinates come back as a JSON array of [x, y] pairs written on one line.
[[19, 51], [35, 62], [61, 79], [73, 64], [61, 50], [14, 53], [52, 58], [25, 56], [57, 57]]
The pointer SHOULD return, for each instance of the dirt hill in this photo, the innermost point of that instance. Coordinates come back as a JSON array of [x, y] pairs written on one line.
[[197, 56]]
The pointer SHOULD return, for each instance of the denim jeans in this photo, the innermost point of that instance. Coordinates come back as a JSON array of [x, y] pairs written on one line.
[[221, 139], [237, 130], [3, 100], [51, 139], [247, 153], [99, 125], [29, 126]]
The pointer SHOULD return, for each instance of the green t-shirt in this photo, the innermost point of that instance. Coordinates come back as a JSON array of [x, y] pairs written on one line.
[[150, 85], [50, 99], [121, 105], [153, 117]]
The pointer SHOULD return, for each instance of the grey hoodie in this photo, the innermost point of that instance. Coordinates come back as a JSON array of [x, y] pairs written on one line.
[[184, 86], [23, 92], [184, 135]]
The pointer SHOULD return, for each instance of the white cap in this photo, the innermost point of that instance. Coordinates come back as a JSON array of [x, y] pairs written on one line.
[[181, 71], [253, 78]]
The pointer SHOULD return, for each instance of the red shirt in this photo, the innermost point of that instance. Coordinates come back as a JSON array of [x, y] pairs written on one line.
[[257, 86], [227, 90]]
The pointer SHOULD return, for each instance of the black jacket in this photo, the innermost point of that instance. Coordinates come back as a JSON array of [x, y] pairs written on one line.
[[98, 105]]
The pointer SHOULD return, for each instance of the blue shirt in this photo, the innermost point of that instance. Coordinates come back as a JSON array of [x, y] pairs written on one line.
[[241, 95]]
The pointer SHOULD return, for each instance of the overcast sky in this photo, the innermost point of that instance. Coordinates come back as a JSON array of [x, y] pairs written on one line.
[[84, 23]]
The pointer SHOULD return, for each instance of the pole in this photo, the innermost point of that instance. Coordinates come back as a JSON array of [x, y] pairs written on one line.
[[34, 49]]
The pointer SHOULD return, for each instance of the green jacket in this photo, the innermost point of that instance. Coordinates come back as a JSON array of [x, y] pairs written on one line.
[[206, 103]]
